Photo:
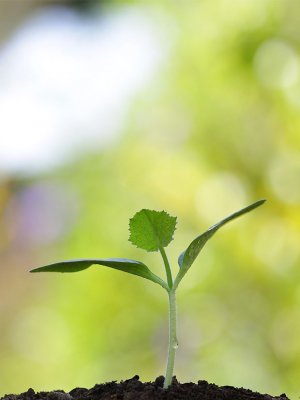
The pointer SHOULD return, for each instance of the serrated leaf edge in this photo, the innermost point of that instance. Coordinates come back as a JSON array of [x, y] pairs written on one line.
[[155, 232]]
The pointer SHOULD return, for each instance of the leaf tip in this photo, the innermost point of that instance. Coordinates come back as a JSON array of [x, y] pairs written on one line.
[[262, 201], [34, 270], [258, 203]]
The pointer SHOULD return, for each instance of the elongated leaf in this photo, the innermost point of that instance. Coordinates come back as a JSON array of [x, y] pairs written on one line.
[[123, 264], [187, 257]]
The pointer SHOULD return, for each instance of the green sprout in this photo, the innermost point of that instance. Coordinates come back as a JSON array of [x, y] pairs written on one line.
[[153, 231]]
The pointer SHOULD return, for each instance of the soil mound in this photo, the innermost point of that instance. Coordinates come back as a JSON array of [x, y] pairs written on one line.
[[133, 388]]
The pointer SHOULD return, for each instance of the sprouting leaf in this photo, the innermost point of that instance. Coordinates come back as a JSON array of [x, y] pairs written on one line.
[[123, 264], [151, 230], [187, 257]]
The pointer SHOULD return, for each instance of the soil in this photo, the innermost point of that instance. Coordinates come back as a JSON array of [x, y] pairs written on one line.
[[132, 389]]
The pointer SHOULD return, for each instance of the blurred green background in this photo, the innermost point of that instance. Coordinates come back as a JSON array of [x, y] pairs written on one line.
[[110, 107]]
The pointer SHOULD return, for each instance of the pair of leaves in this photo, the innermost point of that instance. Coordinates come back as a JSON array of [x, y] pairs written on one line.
[[151, 231]]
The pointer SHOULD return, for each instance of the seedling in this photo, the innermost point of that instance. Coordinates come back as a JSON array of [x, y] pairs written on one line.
[[153, 231]]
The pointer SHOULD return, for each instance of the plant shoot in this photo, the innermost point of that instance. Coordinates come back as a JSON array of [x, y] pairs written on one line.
[[153, 231]]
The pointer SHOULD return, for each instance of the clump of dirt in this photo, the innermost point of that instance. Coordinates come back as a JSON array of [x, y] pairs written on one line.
[[133, 388]]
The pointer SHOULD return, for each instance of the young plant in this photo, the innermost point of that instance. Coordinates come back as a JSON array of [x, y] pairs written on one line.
[[153, 231]]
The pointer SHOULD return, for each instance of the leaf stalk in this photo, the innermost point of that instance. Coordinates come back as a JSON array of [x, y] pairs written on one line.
[[167, 267]]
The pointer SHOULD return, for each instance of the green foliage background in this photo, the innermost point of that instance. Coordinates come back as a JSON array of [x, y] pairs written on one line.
[[216, 129]]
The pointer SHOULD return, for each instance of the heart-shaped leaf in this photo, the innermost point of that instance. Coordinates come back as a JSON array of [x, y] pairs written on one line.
[[151, 230], [122, 264], [187, 257]]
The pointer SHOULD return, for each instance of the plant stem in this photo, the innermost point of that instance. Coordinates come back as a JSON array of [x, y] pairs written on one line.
[[173, 344], [167, 267]]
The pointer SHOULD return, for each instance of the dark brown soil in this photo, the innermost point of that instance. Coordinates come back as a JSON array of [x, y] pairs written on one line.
[[132, 389]]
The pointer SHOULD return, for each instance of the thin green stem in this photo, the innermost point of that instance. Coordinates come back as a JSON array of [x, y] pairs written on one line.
[[173, 343], [167, 267]]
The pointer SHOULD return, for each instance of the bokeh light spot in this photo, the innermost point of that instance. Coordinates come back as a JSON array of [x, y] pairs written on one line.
[[284, 173], [219, 194], [277, 246], [276, 64]]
